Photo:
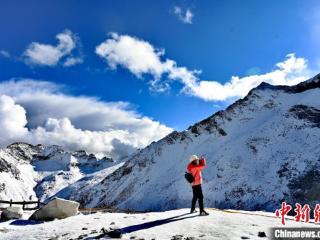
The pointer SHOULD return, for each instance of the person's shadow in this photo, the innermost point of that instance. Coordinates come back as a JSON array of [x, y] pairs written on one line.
[[155, 223], [21, 222], [118, 232]]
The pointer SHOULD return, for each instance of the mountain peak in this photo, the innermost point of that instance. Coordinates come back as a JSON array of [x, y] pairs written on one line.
[[24, 151], [311, 83], [21, 145], [265, 85]]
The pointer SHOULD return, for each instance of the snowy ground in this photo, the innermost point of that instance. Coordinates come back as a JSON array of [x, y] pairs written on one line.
[[156, 225]]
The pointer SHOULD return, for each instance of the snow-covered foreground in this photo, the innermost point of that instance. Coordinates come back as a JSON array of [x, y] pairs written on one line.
[[219, 224]]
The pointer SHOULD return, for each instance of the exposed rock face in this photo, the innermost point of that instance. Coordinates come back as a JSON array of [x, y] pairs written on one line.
[[56, 209], [305, 189], [24, 151], [310, 114], [11, 213], [9, 168]]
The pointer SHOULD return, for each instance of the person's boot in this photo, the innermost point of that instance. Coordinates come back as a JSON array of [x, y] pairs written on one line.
[[203, 213], [193, 211]]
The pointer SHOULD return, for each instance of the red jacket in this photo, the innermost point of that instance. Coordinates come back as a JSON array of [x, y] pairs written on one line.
[[195, 170]]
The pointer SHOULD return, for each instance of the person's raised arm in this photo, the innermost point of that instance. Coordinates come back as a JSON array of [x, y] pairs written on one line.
[[202, 164]]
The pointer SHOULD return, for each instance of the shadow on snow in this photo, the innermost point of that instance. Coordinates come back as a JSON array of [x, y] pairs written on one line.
[[155, 223]]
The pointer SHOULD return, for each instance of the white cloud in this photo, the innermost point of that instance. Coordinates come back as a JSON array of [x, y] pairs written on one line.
[[75, 122], [141, 58], [64, 133], [138, 56], [71, 61], [38, 54], [4, 53], [289, 72], [12, 119], [184, 16]]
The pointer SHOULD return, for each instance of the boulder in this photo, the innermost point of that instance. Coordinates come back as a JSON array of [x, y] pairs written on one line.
[[11, 213], [56, 209], [115, 233]]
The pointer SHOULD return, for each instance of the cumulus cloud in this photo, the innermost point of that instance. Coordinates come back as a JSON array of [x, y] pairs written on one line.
[[39, 54], [71, 61], [12, 119], [288, 72], [184, 16], [5, 54], [116, 143], [141, 58], [49, 115], [137, 55]]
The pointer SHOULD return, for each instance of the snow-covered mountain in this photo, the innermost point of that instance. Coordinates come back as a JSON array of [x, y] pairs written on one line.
[[261, 150], [28, 172]]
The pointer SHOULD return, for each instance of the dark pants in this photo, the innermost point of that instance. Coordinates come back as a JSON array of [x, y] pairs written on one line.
[[197, 195]]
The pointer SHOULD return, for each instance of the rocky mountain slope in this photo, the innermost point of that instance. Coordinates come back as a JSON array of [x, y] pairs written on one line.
[[28, 172], [261, 150]]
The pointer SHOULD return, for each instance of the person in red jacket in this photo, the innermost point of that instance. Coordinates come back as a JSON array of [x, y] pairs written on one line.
[[195, 167]]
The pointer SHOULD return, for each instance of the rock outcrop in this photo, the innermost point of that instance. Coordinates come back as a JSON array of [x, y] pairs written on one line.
[[56, 209], [11, 213]]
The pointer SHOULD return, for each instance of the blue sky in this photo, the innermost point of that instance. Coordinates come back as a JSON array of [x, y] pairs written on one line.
[[221, 39]]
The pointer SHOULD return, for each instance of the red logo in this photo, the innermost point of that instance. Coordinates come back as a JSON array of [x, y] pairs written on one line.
[[302, 213], [285, 209]]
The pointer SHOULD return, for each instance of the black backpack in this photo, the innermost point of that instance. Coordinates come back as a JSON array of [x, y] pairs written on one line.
[[189, 177]]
